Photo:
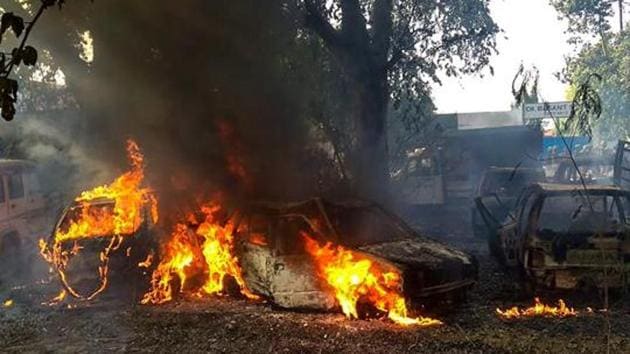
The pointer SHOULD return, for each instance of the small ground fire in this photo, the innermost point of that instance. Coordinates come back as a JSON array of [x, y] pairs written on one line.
[[538, 310]]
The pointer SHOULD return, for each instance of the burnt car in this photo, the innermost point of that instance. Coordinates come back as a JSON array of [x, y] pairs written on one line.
[[81, 274], [499, 187], [564, 236], [275, 263], [593, 169]]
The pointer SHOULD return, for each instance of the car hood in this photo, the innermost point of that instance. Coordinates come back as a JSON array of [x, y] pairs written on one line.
[[419, 253]]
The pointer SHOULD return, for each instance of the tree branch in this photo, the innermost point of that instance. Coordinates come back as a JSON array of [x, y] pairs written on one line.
[[12, 63], [382, 30], [316, 22], [353, 25]]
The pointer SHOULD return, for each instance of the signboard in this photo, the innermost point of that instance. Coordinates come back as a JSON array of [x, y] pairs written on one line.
[[480, 120], [546, 110]]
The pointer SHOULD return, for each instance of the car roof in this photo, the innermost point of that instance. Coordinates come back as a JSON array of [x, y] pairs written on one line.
[[514, 168], [280, 207], [94, 202], [568, 187], [493, 170], [588, 159], [18, 165]]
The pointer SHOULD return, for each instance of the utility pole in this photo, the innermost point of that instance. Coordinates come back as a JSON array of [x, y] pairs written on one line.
[[620, 15]]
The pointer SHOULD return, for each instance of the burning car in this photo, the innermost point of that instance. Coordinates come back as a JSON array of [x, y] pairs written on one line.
[[277, 264], [104, 224], [499, 188], [86, 260], [564, 236]]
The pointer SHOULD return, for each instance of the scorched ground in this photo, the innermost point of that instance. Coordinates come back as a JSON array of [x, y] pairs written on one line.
[[230, 325]]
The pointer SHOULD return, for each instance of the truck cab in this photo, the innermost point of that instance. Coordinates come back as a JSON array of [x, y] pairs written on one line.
[[22, 215]]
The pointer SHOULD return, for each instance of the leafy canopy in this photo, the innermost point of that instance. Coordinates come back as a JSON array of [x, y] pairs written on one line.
[[22, 54]]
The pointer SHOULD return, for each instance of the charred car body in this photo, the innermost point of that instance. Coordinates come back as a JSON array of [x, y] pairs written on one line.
[[499, 187], [275, 263], [565, 236], [82, 271]]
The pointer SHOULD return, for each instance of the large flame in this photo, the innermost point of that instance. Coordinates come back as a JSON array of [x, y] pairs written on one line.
[[208, 252], [129, 200], [128, 195], [354, 277], [539, 309]]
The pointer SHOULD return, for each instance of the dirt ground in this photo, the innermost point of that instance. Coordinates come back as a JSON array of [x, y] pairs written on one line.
[[234, 325]]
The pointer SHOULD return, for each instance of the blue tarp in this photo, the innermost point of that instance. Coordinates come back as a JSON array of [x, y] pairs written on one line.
[[553, 145]]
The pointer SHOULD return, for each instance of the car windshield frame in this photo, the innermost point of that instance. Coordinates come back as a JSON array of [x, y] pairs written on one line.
[[502, 179], [349, 237], [584, 208]]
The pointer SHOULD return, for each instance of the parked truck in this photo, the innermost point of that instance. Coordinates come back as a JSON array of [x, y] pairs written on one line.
[[23, 217]]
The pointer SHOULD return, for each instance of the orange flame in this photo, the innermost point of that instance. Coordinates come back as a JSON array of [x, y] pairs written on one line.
[[257, 239], [539, 309], [129, 199], [209, 252], [354, 277], [147, 261], [234, 160], [57, 299]]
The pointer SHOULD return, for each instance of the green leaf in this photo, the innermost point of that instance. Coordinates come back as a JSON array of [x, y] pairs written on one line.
[[5, 23], [17, 25], [29, 55], [8, 109], [17, 56], [48, 3], [8, 95]]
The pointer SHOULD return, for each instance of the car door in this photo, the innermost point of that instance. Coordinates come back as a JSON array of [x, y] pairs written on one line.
[[493, 212], [16, 194], [254, 251], [515, 237], [294, 280]]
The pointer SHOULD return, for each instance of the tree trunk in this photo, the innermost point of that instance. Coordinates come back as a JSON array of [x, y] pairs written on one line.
[[371, 172]]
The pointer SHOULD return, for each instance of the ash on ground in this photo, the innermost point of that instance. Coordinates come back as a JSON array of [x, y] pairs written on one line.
[[225, 324]]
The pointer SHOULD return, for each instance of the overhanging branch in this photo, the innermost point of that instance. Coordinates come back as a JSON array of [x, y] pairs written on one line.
[[320, 25]]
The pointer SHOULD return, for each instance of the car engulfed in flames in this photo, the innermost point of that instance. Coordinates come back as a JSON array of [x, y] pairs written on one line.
[[105, 224], [322, 255], [318, 255], [292, 256]]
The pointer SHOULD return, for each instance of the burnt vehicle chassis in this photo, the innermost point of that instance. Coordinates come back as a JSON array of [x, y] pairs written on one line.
[[499, 189], [280, 269], [124, 275], [581, 238]]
